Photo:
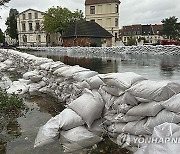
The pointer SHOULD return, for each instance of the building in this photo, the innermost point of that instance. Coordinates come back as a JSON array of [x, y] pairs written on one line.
[[105, 13], [29, 25], [150, 33], [8, 40], [86, 33]]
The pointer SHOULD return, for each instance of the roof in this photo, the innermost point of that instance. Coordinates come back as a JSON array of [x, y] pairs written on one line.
[[32, 10], [157, 28], [86, 29], [89, 2], [147, 30]]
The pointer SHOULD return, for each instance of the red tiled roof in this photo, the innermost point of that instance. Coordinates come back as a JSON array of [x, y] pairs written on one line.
[[89, 2]]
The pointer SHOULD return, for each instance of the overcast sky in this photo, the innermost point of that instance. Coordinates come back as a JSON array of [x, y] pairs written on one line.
[[131, 11]]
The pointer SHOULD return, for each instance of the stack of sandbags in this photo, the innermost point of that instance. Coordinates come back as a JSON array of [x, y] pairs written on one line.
[[77, 125], [135, 105]]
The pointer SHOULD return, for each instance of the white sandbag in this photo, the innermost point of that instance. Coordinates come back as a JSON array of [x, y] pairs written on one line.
[[165, 140], [66, 120], [94, 82], [45, 136], [137, 127], [80, 76], [97, 127], [129, 99], [88, 106], [60, 70], [72, 70], [78, 138], [121, 80], [142, 100], [153, 90], [45, 66], [18, 87], [36, 78], [116, 127], [113, 90], [30, 74], [172, 104], [108, 98], [55, 66], [8, 62], [162, 117], [146, 109], [117, 118], [69, 119]]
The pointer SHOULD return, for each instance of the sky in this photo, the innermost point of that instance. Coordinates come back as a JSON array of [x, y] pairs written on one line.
[[131, 11]]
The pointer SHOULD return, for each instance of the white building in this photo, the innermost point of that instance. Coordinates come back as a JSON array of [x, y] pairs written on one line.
[[105, 13], [9, 40], [29, 25]]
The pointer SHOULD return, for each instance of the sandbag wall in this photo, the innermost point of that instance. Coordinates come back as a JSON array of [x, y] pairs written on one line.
[[42, 75], [122, 104], [111, 52]]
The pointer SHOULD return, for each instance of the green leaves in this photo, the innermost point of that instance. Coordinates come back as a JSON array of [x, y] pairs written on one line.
[[58, 19], [171, 28], [11, 23]]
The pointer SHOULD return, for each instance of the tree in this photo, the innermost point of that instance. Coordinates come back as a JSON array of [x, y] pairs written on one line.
[[2, 38], [2, 2], [131, 41], [11, 23], [58, 19], [171, 28]]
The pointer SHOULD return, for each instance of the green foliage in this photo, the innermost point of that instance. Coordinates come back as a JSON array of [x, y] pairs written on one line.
[[58, 19], [171, 28], [11, 23], [2, 39], [131, 41], [10, 105]]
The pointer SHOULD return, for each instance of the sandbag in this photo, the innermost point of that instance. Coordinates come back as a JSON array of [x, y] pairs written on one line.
[[69, 119], [162, 117], [72, 70], [121, 80], [146, 109], [116, 127], [172, 104], [30, 74], [129, 99], [155, 91], [108, 98], [137, 127], [165, 140], [78, 138], [113, 90], [94, 82], [80, 76], [88, 106]]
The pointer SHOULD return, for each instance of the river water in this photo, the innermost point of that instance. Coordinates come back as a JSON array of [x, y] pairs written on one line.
[[41, 109]]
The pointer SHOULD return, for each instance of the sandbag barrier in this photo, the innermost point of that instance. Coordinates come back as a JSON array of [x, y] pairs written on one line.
[[124, 106], [111, 52]]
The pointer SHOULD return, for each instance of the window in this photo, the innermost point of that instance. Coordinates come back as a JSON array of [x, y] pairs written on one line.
[[117, 8], [30, 15], [24, 38], [24, 16], [31, 38], [116, 22], [92, 9], [39, 38], [30, 27], [23, 27], [36, 15], [93, 20], [37, 26]]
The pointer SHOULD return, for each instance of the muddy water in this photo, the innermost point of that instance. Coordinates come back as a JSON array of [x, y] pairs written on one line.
[[42, 108]]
